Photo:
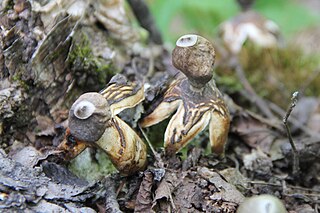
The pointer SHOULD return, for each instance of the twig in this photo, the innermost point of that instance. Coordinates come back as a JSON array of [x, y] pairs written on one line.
[[291, 187], [279, 111], [151, 65], [171, 199], [294, 100], [156, 155], [254, 98], [143, 15]]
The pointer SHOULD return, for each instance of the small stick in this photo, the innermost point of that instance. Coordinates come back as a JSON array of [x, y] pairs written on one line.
[[294, 121], [294, 100], [148, 141], [261, 104], [156, 155], [145, 19]]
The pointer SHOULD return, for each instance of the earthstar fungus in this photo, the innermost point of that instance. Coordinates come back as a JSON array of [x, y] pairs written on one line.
[[249, 25], [195, 97], [93, 121]]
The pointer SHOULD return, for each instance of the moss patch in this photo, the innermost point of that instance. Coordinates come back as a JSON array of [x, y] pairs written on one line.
[[91, 165], [275, 73], [83, 60]]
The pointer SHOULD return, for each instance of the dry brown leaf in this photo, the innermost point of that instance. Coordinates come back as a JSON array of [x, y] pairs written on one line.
[[226, 192], [307, 112], [234, 177], [144, 197], [258, 162], [253, 132], [163, 191]]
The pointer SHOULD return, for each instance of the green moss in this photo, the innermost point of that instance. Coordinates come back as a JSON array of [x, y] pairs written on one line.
[[82, 53], [105, 70], [82, 58], [9, 6], [17, 77], [274, 73], [228, 84], [92, 166]]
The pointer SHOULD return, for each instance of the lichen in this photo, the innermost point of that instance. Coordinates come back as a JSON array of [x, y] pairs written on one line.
[[91, 167]]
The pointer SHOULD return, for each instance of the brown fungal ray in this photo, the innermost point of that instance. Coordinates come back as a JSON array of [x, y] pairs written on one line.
[[217, 132], [71, 146], [162, 112], [193, 115], [179, 133], [123, 95], [124, 147], [169, 104]]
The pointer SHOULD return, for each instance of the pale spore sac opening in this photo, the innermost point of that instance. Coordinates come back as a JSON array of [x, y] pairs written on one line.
[[84, 110], [187, 40]]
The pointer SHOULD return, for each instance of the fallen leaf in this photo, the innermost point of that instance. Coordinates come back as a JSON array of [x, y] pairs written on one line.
[[144, 197], [253, 132], [226, 191], [258, 162], [234, 177]]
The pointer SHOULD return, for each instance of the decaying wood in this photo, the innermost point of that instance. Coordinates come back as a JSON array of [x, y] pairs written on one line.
[[26, 188]]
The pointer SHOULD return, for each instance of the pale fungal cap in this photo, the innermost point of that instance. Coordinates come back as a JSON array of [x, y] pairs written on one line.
[[187, 40], [84, 110], [262, 204]]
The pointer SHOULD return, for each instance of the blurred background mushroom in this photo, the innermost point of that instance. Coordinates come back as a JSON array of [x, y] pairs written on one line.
[[249, 25]]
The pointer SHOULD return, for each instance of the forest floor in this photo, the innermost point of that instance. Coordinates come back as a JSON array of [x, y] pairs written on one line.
[[49, 58]]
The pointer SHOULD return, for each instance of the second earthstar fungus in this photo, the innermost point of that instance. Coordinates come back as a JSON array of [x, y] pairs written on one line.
[[93, 121], [249, 25], [195, 97]]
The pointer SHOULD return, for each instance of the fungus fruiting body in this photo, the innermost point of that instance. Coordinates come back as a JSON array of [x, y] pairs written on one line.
[[93, 121], [195, 96], [262, 204], [249, 25]]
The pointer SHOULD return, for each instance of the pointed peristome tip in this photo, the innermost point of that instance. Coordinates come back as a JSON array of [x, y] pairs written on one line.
[[71, 146]]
